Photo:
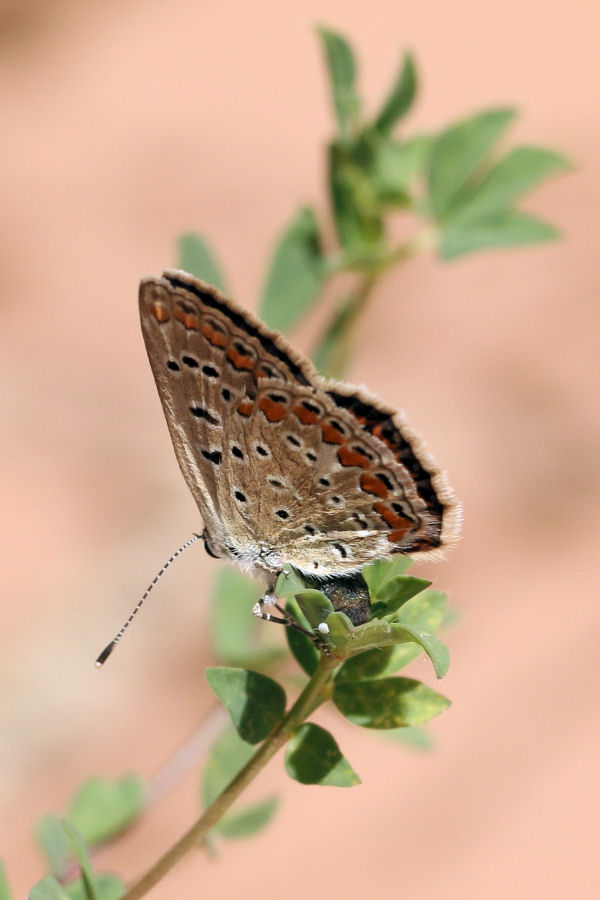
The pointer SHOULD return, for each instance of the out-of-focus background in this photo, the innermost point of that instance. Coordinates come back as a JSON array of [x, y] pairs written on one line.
[[125, 123]]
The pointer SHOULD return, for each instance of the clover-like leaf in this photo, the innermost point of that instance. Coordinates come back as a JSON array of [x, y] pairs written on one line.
[[235, 636], [315, 605], [342, 73], [401, 97], [313, 757], [296, 274], [508, 228], [301, 645], [83, 856], [104, 807], [46, 889], [248, 821], [396, 592], [458, 153], [378, 574], [106, 886], [196, 257], [5, 891], [256, 703], [435, 649], [388, 702], [357, 210]]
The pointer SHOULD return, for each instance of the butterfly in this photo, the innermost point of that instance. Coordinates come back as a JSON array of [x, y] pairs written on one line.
[[289, 470]]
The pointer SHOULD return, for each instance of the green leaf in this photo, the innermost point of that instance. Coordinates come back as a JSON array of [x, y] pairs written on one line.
[[315, 606], [5, 892], [47, 889], [82, 853], [388, 702], [229, 755], [54, 843], [342, 73], [369, 664], [457, 154], [401, 98], [249, 821], [313, 757], [255, 702], [395, 167], [426, 611], [302, 647], [396, 592], [297, 273], [329, 354], [107, 887], [233, 626], [196, 257], [379, 573], [514, 175], [357, 210], [103, 807], [289, 584], [340, 630], [506, 228], [435, 649]]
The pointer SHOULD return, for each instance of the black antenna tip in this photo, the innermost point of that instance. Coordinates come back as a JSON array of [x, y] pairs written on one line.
[[105, 654]]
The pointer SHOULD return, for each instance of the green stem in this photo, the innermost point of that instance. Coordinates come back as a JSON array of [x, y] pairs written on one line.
[[335, 347], [311, 697]]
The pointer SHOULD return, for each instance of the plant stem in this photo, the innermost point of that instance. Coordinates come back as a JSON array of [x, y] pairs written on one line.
[[311, 697]]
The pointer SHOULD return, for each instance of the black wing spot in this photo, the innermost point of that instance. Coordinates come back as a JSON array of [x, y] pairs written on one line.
[[262, 451], [226, 394], [173, 366], [239, 496], [364, 453], [190, 362], [325, 482], [336, 499], [282, 513], [276, 483], [293, 440], [200, 413], [383, 477], [341, 550], [213, 456], [278, 398], [210, 371], [311, 457], [309, 529], [237, 452], [311, 407]]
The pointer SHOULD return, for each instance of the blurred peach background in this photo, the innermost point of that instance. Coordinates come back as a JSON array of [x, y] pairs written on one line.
[[125, 123]]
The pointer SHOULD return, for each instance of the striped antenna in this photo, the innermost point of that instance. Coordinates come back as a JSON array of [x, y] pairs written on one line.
[[110, 647]]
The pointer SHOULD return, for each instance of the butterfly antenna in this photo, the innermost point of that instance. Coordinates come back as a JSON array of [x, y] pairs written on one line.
[[110, 647]]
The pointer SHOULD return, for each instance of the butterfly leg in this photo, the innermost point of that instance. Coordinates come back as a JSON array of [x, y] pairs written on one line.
[[269, 601]]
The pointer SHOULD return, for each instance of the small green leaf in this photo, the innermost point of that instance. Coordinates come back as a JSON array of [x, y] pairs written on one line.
[[426, 611], [289, 584], [248, 821], [297, 274], [507, 228], [388, 702], [103, 807], [5, 892], [457, 154], [233, 626], [342, 73], [47, 889], [369, 664], [196, 257], [514, 175], [340, 629], [229, 755], [401, 98], [82, 853], [357, 210], [303, 648], [55, 844], [379, 573], [396, 592], [315, 605], [435, 649], [313, 757], [107, 887], [255, 702]]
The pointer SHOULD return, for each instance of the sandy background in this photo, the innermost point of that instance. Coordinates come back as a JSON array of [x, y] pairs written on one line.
[[124, 123]]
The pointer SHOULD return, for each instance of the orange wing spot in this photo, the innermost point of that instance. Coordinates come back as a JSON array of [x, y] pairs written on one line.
[[274, 411], [373, 485], [246, 408], [188, 319], [331, 433], [240, 360], [399, 524], [214, 336], [394, 537], [160, 311], [306, 416], [349, 457]]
